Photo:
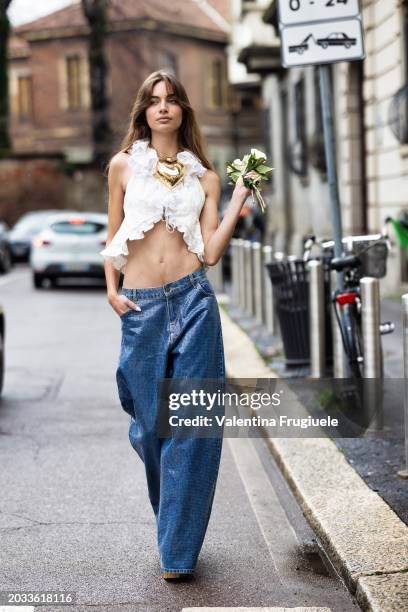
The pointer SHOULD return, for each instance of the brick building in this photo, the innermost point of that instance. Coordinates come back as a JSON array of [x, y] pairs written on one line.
[[49, 72]]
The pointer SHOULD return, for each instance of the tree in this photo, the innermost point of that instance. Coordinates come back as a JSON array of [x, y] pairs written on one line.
[[95, 11], [5, 143]]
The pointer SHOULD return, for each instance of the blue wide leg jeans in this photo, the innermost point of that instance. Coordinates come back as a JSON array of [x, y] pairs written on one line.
[[176, 335]]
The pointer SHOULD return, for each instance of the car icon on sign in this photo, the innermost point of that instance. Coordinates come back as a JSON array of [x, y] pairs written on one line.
[[336, 39]]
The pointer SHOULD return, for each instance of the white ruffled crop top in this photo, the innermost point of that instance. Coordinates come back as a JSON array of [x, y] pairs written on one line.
[[147, 200]]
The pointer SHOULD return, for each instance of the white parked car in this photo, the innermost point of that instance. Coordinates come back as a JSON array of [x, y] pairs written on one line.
[[69, 247]]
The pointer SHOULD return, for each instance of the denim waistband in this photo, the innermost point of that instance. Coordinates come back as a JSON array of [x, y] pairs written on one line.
[[167, 290]]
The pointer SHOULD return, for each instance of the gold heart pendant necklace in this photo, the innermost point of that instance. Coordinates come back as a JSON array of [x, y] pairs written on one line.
[[169, 171]]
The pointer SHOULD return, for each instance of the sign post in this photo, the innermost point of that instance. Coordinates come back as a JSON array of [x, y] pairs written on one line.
[[323, 32], [330, 150]]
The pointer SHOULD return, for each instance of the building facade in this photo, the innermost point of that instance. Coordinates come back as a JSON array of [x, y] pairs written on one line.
[[50, 78], [371, 117], [253, 52]]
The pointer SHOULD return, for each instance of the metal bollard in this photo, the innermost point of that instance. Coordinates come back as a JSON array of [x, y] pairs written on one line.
[[248, 278], [214, 274], [373, 370], [257, 274], [241, 274], [268, 305], [340, 365], [279, 255], [370, 319], [219, 276], [317, 319], [244, 275], [404, 473]]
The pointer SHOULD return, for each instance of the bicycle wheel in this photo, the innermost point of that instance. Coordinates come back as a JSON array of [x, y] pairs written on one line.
[[352, 339]]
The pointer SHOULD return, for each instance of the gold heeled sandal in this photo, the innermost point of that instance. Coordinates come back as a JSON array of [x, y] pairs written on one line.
[[176, 575]]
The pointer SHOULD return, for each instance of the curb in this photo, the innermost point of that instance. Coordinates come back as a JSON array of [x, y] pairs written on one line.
[[364, 538]]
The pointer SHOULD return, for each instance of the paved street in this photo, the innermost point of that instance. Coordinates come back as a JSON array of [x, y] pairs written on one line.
[[74, 511]]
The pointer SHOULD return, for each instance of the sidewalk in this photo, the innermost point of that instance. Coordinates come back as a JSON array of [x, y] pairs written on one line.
[[377, 461], [365, 539]]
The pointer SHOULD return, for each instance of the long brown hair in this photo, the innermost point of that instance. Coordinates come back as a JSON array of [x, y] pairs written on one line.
[[189, 135]]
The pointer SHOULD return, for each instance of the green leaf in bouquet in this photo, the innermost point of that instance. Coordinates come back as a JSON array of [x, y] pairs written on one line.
[[262, 168], [232, 167], [234, 176]]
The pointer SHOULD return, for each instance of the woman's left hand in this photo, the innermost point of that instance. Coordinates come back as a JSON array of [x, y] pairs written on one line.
[[240, 189]]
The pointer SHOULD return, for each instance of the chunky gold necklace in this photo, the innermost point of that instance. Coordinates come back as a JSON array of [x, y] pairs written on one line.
[[169, 171]]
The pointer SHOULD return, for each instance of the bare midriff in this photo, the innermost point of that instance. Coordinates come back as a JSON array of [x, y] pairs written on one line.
[[160, 257]]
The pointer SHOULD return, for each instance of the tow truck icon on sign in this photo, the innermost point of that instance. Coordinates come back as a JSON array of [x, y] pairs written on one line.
[[336, 39]]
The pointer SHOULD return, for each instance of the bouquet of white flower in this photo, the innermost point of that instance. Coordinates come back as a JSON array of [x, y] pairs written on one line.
[[251, 161]]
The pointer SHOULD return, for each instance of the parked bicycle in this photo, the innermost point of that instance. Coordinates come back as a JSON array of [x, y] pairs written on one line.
[[362, 256]]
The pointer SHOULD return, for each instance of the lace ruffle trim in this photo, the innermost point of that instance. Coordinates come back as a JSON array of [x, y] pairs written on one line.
[[143, 160], [117, 253]]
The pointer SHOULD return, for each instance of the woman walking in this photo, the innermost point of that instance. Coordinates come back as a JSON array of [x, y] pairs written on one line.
[[162, 234]]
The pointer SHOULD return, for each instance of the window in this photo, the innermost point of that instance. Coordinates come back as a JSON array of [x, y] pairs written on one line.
[[249, 102], [74, 81], [318, 103], [398, 109], [317, 153], [24, 97], [267, 129], [217, 83], [298, 154], [168, 61], [30, 224], [78, 227], [300, 130], [73, 67]]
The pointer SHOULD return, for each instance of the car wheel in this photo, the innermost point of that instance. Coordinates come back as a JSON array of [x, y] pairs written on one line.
[[347, 45], [38, 280], [324, 45]]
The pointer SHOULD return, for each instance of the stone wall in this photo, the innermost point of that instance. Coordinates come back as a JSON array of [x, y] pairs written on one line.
[[34, 183]]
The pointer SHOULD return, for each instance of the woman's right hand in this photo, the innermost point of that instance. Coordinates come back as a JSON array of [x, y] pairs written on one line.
[[121, 304], [240, 189]]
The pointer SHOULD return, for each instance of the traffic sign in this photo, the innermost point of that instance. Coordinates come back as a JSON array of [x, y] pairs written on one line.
[[320, 31], [294, 12], [323, 32], [322, 43]]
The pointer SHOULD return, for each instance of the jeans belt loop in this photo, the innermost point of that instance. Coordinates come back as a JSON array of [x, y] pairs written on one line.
[[193, 281]]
